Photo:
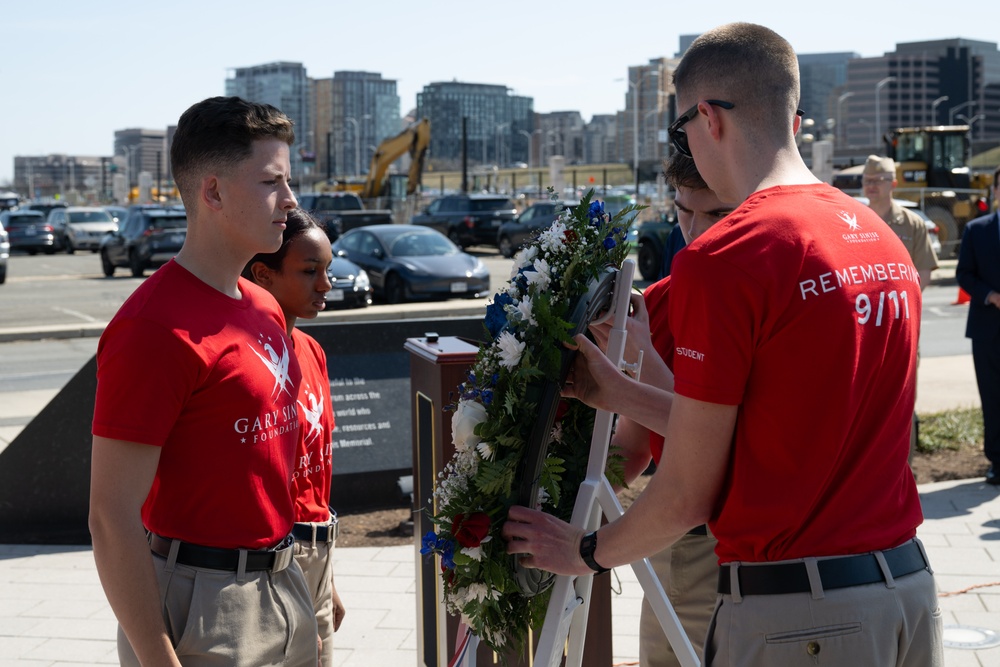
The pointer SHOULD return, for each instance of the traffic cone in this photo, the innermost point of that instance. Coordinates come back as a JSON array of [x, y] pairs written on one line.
[[963, 297]]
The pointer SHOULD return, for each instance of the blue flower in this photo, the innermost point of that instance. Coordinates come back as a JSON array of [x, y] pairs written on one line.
[[430, 543], [609, 242], [496, 315], [487, 396], [596, 213], [447, 555]]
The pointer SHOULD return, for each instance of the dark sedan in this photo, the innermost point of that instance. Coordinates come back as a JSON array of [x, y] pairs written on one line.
[[28, 231], [349, 285], [149, 238], [515, 233], [409, 262]]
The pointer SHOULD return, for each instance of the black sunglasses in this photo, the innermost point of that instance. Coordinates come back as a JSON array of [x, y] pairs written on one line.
[[678, 137]]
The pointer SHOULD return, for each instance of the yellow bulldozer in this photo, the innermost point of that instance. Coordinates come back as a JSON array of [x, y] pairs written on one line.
[[932, 169]]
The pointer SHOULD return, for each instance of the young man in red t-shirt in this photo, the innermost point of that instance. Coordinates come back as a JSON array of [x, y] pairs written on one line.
[[196, 422], [795, 326], [296, 276]]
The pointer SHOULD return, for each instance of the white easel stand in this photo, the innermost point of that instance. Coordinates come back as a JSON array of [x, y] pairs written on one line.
[[569, 605]]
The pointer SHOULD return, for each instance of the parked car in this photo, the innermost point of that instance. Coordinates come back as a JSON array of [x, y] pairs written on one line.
[[932, 228], [150, 237], [349, 285], [44, 207], [338, 212], [83, 226], [467, 219], [515, 233], [27, 230], [409, 261], [4, 254], [118, 213], [650, 244]]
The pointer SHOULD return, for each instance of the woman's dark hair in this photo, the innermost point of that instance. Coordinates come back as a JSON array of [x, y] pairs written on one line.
[[297, 223]]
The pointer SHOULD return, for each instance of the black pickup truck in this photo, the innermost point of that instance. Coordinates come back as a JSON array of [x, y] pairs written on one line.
[[338, 212], [468, 219]]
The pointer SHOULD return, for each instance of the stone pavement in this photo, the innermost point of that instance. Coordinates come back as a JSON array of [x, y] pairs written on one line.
[[54, 613]]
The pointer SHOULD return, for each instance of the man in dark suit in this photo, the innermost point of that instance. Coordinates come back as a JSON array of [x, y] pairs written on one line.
[[978, 274]]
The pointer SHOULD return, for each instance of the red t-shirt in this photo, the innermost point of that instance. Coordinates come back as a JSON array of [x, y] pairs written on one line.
[[212, 381], [803, 308], [313, 470], [655, 297]]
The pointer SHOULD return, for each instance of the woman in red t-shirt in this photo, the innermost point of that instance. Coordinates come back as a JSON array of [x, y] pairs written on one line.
[[296, 276]]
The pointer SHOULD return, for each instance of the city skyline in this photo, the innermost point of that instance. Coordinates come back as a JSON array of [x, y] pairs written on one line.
[[81, 75]]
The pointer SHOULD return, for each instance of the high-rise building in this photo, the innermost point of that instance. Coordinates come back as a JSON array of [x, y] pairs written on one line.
[[284, 85], [498, 123], [821, 75], [599, 139], [561, 133], [939, 82], [139, 150], [648, 111], [321, 94], [364, 110]]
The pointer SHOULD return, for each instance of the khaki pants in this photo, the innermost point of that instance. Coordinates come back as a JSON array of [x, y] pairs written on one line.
[[689, 573], [212, 619], [873, 624], [316, 562]]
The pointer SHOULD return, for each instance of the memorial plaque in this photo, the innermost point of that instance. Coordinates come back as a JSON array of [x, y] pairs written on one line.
[[370, 390]]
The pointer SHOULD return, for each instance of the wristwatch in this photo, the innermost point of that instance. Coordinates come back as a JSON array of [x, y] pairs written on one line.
[[588, 545]]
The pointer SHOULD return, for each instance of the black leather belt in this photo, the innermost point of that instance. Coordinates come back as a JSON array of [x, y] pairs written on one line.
[[844, 572], [324, 533], [211, 558]]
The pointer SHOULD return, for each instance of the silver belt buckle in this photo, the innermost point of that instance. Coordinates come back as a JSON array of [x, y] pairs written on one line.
[[333, 528], [283, 554]]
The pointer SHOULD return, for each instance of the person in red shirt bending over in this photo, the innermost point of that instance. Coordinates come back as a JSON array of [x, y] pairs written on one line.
[[196, 423], [296, 276], [794, 323]]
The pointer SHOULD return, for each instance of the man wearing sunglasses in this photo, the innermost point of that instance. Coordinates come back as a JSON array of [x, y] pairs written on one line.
[[795, 323]]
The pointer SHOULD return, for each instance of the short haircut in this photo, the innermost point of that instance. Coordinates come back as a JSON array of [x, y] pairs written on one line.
[[680, 171], [749, 65], [218, 133], [297, 223]]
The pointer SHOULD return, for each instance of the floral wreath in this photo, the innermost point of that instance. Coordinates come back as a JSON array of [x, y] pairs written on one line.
[[528, 321]]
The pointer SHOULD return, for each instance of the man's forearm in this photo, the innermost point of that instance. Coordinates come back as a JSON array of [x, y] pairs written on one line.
[[125, 567]]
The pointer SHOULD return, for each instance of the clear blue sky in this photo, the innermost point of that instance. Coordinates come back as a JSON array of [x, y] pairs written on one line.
[[74, 72]]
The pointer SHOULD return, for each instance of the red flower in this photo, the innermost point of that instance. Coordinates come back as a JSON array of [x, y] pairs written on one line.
[[562, 409], [470, 530], [570, 236]]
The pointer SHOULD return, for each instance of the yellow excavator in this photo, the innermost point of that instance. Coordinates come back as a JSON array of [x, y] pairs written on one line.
[[382, 191], [414, 140]]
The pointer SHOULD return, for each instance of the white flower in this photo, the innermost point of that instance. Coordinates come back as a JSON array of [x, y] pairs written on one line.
[[510, 349], [478, 592], [523, 259], [541, 274], [485, 450], [543, 497], [463, 424], [524, 310], [557, 432], [553, 238], [475, 553]]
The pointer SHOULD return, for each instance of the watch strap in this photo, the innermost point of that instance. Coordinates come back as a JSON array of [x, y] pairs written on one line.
[[588, 545]]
